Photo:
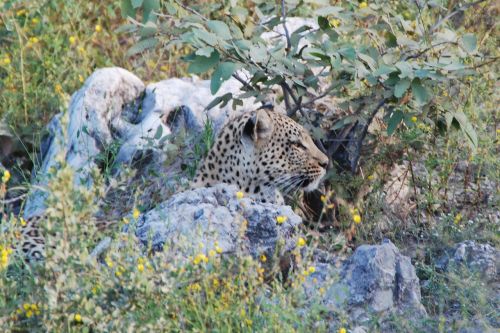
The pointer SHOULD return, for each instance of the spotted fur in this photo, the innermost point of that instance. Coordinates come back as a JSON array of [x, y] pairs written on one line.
[[265, 154]]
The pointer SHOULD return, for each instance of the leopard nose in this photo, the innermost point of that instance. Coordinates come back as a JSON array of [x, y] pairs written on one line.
[[323, 163]]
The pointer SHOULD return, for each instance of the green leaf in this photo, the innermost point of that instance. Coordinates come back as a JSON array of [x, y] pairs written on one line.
[[383, 70], [405, 69], [205, 51], [148, 30], [222, 73], [159, 132], [469, 42], [348, 52], [466, 128], [148, 7], [201, 64], [126, 9], [323, 23], [394, 121], [207, 37], [401, 87], [220, 99], [142, 46], [136, 3], [419, 92], [220, 29]]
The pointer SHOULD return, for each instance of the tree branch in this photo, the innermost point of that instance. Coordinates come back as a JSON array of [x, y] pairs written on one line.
[[191, 10], [461, 9], [287, 34]]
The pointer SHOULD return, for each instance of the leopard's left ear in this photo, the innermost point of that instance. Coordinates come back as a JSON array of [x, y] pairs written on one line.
[[259, 127]]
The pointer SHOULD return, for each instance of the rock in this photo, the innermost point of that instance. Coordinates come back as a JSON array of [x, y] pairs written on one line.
[[93, 118], [115, 114], [482, 258], [375, 280], [167, 96], [209, 215]]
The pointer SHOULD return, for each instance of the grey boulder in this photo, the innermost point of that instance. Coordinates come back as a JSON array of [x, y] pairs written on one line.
[[482, 258], [375, 280], [215, 215]]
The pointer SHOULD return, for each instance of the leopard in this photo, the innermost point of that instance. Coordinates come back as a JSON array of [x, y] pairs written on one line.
[[264, 153]]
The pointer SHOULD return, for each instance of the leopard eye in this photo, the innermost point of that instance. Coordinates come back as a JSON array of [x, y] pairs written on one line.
[[298, 144]]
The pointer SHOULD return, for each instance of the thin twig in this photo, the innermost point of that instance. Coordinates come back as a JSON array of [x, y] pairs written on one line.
[[359, 144], [286, 98], [287, 34], [418, 54], [191, 10], [8, 201], [461, 9]]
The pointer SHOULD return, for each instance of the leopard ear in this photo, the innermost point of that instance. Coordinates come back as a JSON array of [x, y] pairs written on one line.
[[259, 127]]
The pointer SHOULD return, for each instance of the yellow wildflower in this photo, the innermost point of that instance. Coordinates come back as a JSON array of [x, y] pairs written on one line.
[[342, 330], [263, 258], [356, 218], [281, 219], [23, 222], [6, 176], [109, 262], [6, 60], [335, 23], [81, 49], [248, 322], [4, 257], [458, 218], [21, 12], [194, 287], [239, 195], [211, 253], [371, 177], [165, 68], [35, 20], [72, 40], [80, 78], [311, 269], [34, 307], [78, 318], [58, 88], [330, 206], [136, 213], [323, 198], [140, 267], [34, 40], [218, 249], [301, 242], [200, 258], [125, 220], [29, 313], [98, 28], [363, 5], [413, 119]]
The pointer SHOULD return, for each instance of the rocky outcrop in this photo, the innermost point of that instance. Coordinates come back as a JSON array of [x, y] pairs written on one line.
[[376, 280], [114, 110], [215, 215], [481, 258]]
